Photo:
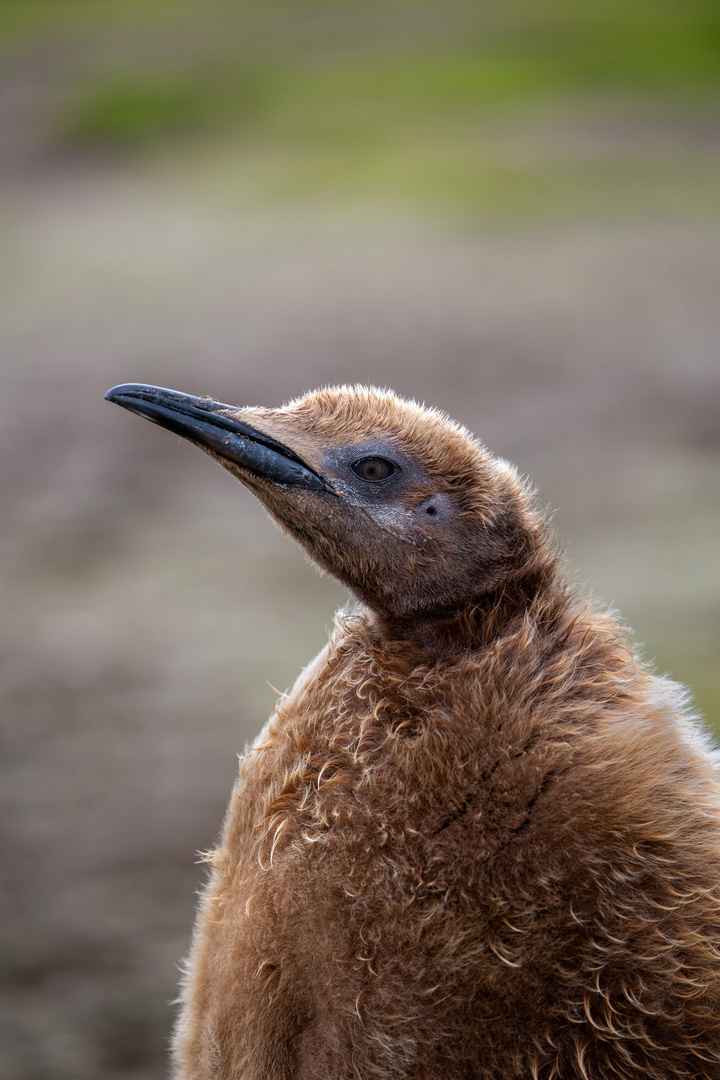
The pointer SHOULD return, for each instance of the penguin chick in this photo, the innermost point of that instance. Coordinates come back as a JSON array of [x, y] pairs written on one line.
[[478, 840]]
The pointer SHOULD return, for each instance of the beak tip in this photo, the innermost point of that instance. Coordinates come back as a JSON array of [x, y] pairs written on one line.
[[128, 390]]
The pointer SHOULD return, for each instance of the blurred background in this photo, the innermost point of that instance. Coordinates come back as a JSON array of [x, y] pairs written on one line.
[[509, 210]]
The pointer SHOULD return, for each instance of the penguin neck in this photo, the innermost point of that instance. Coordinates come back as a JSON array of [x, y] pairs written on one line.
[[482, 620]]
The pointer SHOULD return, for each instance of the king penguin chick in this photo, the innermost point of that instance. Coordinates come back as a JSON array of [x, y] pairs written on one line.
[[478, 840]]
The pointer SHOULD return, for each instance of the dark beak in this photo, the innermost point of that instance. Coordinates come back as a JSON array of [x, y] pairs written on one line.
[[202, 422]]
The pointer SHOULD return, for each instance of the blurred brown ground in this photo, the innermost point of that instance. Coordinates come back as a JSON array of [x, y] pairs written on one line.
[[148, 603]]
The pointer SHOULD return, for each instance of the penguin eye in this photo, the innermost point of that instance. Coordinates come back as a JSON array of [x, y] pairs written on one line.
[[373, 469]]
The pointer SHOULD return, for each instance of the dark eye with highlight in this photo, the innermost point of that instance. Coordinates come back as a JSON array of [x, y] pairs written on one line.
[[373, 469]]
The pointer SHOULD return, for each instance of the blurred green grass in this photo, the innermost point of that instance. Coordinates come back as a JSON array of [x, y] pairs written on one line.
[[366, 99], [486, 110]]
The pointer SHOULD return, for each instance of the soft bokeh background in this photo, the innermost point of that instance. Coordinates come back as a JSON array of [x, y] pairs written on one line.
[[510, 210]]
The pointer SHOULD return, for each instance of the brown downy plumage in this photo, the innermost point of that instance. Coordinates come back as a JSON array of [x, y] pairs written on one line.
[[478, 839]]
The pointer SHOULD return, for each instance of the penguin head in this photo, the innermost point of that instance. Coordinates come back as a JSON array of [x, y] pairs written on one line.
[[397, 501]]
